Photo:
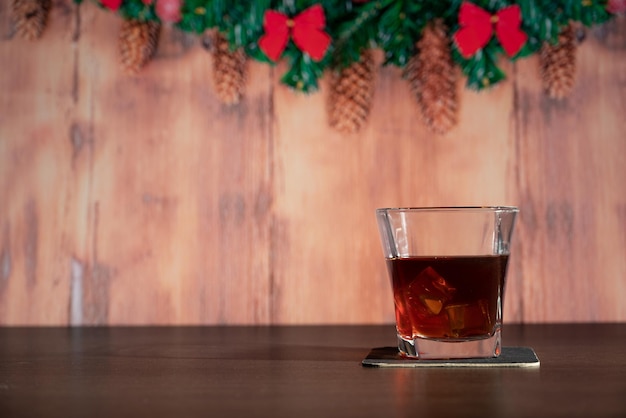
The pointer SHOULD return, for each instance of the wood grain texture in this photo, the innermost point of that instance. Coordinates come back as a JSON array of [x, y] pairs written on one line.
[[571, 181], [37, 177], [304, 371], [144, 200], [180, 189]]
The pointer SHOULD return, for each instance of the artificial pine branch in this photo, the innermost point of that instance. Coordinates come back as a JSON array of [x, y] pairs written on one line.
[[389, 25]]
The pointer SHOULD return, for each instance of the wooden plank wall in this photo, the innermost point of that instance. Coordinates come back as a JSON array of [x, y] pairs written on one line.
[[143, 200]]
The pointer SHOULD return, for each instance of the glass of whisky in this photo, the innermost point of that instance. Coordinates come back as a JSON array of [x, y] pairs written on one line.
[[447, 267]]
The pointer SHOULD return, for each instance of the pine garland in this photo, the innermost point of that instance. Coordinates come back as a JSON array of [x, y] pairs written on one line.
[[393, 26]]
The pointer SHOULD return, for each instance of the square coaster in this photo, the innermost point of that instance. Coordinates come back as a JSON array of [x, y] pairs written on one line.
[[509, 357]]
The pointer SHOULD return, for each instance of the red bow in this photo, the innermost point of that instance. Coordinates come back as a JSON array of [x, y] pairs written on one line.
[[306, 30], [477, 27], [112, 4]]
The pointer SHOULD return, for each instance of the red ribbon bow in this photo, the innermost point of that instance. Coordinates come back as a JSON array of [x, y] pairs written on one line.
[[477, 27], [306, 30]]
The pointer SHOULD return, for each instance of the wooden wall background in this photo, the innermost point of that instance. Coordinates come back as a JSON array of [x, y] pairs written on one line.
[[143, 200]]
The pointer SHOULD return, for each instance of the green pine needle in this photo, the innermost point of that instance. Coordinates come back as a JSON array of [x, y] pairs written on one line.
[[394, 26]]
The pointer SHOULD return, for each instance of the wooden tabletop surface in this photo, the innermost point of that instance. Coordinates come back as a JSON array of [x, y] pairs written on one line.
[[299, 371]]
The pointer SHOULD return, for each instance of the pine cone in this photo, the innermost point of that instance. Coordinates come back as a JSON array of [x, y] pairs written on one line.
[[138, 42], [30, 17], [558, 64], [229, 70], [432, 77], [352, 90]]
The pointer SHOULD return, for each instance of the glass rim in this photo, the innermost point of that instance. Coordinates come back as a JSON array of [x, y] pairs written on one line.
[[449, 209]]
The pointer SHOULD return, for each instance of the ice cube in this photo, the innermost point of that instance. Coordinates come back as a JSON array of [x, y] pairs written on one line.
[[469, 319], [429, 292], [456, 318]]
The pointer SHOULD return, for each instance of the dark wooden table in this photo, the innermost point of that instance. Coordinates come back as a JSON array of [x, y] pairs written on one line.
[[298, 371]]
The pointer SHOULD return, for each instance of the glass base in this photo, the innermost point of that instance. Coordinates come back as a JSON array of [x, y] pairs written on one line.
[[424, 348]]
